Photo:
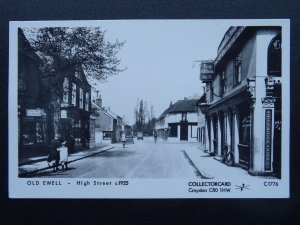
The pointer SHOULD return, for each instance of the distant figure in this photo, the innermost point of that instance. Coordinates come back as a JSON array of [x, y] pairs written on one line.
[[155, 136], [123, 139], [53, 157], [63, 154]]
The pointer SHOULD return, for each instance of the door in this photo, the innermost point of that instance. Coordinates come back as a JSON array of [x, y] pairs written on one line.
[[184, 131]]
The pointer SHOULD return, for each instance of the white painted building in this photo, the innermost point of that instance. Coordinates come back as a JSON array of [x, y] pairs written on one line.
[[179, 122], [244, 99], [108, 125]]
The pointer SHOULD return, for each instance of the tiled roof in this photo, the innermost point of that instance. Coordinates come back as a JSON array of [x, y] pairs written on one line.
[[184, 106], [188, 105]]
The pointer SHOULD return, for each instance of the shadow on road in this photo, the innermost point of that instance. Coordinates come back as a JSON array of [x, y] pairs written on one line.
[[50, 173], [117, 153]]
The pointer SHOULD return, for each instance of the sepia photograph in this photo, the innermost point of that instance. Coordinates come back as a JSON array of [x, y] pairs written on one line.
[[149, 109]]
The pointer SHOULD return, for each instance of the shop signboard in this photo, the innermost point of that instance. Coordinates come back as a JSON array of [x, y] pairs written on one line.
[[207, 70], [33, 112]]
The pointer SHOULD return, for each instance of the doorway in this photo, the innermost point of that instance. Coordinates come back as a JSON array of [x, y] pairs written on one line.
[[183, 131]]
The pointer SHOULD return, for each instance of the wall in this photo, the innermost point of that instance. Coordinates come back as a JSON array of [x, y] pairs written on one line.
[[248, 57], [103, 122]]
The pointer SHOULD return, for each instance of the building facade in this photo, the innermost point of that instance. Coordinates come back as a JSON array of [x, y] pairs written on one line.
[[179, 122], [201, 130], [108, 125], [243, 94], [75, 107], [32, 101]]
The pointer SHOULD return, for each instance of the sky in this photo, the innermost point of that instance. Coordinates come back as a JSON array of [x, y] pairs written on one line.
[[162, 61], [161, 56]]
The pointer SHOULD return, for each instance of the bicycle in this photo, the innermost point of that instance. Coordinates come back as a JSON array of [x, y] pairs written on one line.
[[228, 157]]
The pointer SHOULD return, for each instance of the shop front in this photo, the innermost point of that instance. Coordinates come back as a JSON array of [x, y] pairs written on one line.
[[33, 130]]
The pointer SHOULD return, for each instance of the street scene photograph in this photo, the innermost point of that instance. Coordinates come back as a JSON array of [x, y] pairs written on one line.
[[150, 99]]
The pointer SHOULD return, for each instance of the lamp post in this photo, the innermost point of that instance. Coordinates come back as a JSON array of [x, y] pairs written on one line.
[[204, 107]]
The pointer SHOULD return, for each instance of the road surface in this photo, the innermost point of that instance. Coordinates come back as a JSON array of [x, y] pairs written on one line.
[[143, 159]]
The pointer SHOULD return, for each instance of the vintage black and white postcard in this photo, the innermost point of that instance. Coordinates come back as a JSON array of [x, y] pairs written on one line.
[[149, 109]]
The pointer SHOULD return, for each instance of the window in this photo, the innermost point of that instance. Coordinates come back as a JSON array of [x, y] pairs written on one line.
[[80, 98], [244, 124], [223, 83], [74, 94], [66, 90], [173, 130], [87, 101], [245, 131], [238, 69], [274, 57], [184, 117]]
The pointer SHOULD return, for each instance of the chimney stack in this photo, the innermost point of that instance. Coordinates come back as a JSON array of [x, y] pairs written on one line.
[[99, 101]]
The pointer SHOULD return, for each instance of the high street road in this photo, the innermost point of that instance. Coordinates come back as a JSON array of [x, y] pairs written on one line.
[[143, 159]]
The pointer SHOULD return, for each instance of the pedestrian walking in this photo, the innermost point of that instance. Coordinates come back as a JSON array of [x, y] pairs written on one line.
[[53, 158], [63, 155], [155, 136], [123, 139]]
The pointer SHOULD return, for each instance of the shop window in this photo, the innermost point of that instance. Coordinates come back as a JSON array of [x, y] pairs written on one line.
[[80, 98], [173, 130], [66, 90], [74, 94], [77, 131], [33, 132], [245, 131], [238, 69], [106, 135]]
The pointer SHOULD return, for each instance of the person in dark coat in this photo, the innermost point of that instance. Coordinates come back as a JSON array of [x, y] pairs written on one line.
[[54, 153], [71, 144]]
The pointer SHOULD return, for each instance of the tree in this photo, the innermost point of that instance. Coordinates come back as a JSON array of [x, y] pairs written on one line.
[[64, 48], [141, 113]]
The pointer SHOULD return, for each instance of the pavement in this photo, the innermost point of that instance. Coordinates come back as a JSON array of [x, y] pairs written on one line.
[[209, 167], [31, 165]]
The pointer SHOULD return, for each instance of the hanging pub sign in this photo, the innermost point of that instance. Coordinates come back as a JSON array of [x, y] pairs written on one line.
[[207, 70], [274, 57]]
